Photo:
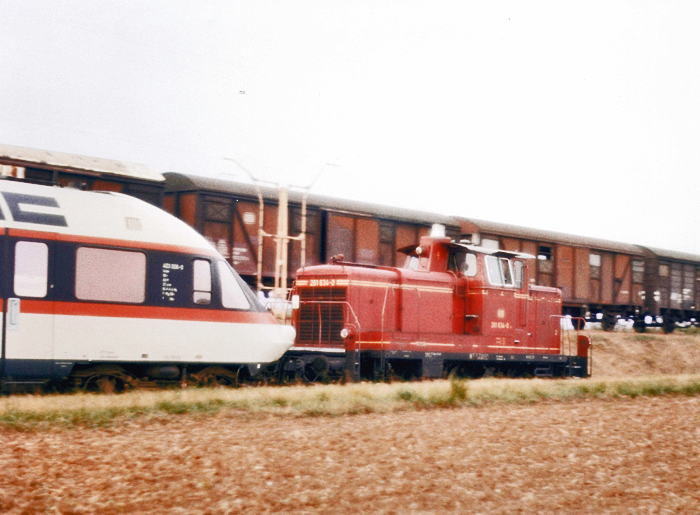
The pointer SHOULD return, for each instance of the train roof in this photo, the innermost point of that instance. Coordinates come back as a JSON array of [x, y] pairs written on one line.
[[184, 182], [671, 254], [46, 159], [541, 236], [92, 215]]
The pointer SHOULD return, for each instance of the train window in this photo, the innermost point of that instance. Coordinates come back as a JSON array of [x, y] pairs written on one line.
[[232, 295], [544, 253], [464, 262], [637, 271], [499, 271], [519, 269], [469, 267], [595, 262], [506, 272], [110, 275], [31, 269], [202, 282], [490, 244]]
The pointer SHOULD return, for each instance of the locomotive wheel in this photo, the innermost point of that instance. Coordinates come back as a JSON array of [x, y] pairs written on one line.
[[217, 376], [317, 370]]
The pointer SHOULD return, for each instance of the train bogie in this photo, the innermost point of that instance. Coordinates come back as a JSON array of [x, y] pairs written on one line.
[[94, 280]]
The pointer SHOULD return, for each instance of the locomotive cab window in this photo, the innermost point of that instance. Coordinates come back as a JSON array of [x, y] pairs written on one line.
[[499, 271], [416, 262], [519, 269], [232, 294], [202, 282], [31, 269], [110, 275], [464, 262]]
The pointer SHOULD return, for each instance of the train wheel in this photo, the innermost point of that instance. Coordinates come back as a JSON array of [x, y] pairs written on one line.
[[317, 370], [669, 325], [217, 376], [639, 325], [609, 322]]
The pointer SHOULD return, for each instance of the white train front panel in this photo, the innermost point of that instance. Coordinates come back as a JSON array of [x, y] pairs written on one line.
[[105, 278]]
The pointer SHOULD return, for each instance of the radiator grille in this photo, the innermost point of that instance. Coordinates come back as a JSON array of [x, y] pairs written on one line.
[[319, 323]]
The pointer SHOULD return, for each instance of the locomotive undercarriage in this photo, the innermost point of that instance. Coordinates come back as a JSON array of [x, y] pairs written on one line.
[[375, 365]]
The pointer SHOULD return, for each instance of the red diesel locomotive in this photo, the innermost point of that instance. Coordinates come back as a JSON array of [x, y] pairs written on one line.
[[452, 308]]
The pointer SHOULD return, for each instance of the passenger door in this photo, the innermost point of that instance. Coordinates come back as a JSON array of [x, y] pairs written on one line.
[[28, 309]]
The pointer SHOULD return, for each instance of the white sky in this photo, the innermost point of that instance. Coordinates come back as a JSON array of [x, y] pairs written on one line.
[[581, 117]]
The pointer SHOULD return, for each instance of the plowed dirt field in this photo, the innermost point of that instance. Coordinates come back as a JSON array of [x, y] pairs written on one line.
[[594, 456], [636, 456]]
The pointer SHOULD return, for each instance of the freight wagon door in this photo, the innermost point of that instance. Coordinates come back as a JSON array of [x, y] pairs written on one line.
[[28, 309]]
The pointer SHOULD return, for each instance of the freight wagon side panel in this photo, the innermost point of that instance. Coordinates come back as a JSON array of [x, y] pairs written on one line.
[[623, 279], [511, 244], [565, 271], [340, 236], [313, 229], [607, 278], [244, 257], [367, 241], [269, 245], [216, 223], [405, 235], [187, 209], [582, 273], [688, 287]]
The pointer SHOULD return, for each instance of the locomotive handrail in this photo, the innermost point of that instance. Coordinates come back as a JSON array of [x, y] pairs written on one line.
[[568, 339]]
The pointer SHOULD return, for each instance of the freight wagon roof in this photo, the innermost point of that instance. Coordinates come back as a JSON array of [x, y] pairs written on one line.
[[540, 236], [671, 254], [91, 214], [184, 182], [34, 158]]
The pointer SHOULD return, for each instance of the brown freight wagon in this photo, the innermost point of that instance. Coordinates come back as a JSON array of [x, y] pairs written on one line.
[[672, 280], [227, 213], [81, 172], [600, 280]]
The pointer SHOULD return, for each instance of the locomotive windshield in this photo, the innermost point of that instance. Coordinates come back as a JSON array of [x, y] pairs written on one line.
[[499, 271], [232, 294]]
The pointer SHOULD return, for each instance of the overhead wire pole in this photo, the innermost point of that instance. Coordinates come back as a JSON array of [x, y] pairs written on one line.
[[306, 189], [282, 237], [261, 231]]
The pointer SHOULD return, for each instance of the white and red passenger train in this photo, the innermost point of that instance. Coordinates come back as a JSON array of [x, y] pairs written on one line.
[[453, 307], [104, 291]]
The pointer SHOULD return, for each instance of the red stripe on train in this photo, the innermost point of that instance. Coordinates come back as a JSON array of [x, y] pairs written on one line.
[[111, 242], [151, 312]]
